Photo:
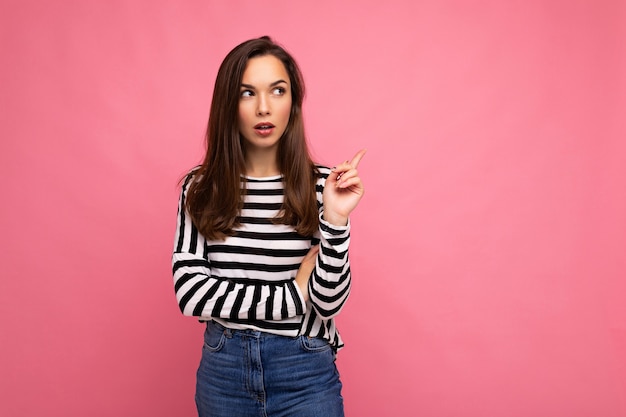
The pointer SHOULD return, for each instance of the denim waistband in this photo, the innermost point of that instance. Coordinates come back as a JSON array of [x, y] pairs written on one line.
[[243, 332]]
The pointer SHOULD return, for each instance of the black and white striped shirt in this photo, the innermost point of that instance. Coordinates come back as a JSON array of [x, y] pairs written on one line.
[[247, 281]]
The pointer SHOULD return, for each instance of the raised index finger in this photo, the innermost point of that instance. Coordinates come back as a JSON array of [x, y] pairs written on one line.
[[357, 158]]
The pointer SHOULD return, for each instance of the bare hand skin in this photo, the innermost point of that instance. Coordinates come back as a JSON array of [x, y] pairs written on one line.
[[343, 191], [306, 269]]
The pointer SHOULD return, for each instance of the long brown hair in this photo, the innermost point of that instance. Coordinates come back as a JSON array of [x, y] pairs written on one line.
[[214, 199]]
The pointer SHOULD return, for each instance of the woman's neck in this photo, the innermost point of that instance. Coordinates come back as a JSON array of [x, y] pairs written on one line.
[[261, 163]]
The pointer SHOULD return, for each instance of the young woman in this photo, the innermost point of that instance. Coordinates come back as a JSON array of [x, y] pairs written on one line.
[[261, 246]]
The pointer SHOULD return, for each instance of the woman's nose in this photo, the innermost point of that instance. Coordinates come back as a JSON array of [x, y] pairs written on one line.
[[263, 107]]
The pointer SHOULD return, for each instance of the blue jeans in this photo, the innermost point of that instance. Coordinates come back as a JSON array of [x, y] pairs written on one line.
[[250, 373]]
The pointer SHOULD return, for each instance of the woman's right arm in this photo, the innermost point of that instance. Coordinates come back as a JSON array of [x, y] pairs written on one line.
[[201, 294]]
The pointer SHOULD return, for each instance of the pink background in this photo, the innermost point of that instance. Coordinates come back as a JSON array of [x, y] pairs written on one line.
[[488, 254]]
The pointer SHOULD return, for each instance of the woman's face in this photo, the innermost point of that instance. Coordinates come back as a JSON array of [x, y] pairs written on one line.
[[264, 102]]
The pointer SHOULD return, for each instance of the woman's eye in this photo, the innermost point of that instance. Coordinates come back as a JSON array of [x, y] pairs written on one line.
[[247, 93], [279, 91]]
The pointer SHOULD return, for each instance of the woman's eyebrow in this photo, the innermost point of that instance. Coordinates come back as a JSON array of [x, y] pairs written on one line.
[[277, 82], [271, 85]]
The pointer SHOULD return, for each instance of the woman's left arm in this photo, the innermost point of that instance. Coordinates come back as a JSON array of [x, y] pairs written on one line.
[[329, 284]]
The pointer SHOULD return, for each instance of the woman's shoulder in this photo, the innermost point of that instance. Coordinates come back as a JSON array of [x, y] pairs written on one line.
[[322, 171], [190, 176]]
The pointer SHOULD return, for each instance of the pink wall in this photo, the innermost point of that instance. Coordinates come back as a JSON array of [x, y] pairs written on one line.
[[489, 251]]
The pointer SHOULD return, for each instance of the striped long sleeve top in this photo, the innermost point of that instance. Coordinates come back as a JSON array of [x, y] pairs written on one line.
[[247, 281]]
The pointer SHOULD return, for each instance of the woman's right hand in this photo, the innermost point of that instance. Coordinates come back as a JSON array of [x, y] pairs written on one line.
[[306, 269]]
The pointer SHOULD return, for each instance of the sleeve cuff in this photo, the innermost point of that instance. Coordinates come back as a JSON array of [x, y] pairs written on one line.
[[298, 299], [331, 229]]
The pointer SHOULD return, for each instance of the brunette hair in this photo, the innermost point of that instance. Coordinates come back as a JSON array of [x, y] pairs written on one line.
[[215, 196]]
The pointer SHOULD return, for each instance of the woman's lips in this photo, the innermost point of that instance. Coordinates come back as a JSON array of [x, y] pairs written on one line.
[[264, 129]]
